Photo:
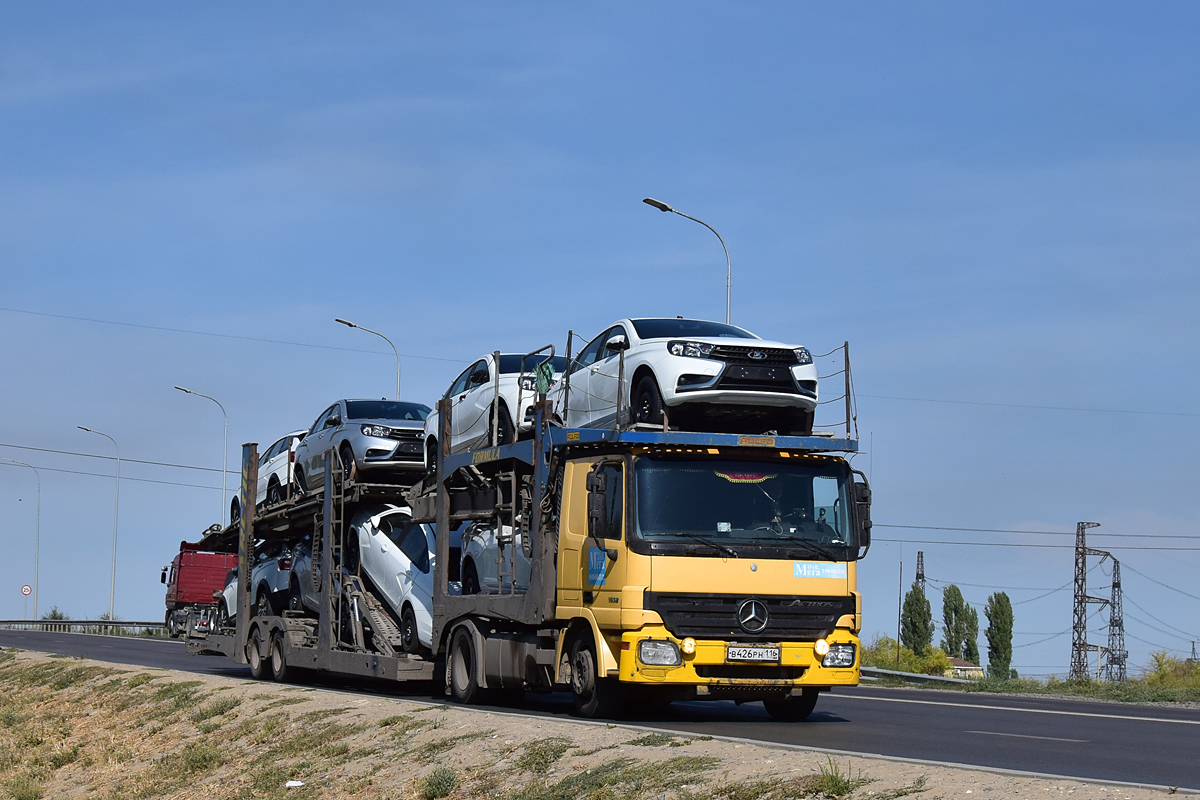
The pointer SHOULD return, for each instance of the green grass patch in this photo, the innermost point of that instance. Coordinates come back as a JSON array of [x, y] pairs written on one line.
[[540, 754], [429, 752], [619, 778], [139, 679], [439, 783], [653, 740], [222, 705], [25, 787]]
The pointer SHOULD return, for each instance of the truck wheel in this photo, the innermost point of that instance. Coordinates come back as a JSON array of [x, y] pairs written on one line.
[[409, 641], [258, 667], [463, 686], [593, 696], [792, 708], [279, 667], [172, 633], [647, 401]]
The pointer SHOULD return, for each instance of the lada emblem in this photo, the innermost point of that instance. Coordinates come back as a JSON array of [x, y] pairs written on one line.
[[757, 355], [752, 616]]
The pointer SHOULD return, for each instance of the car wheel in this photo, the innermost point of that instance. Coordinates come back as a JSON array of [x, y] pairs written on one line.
[[463, 686], [298, 477], [222, 616], [431, 455], [274, 493], [505, 430], [647, 402], [592, 695], [262, 605], [295, 599], [279, 667], [792, 708], [258, 667], [235, 512], [348, 466], [409, 640], [470, 579]]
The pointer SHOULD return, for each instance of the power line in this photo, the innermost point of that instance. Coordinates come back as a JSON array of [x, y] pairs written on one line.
[[1030, 544], [1156, 619], [1043, 533], [1023, 405], [126, 478], [1160, 583], [220, 335], [114, 458]]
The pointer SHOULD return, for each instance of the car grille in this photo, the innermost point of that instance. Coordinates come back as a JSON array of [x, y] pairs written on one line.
[[737, 354], [714, 616], [410, 447]]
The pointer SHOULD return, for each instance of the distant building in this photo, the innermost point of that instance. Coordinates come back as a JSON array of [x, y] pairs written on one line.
[[964, 669]]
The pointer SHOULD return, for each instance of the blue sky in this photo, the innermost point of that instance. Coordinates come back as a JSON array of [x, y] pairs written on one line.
[[993, 205]]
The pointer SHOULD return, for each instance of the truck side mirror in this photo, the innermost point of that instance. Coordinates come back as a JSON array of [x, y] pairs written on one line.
[[862, 512], [597, 510], [163, 578]]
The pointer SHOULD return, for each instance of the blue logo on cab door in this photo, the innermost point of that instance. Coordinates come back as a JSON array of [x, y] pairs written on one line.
[[597, 566], [818, 569]]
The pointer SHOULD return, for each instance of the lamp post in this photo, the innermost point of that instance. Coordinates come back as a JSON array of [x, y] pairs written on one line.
[[661, 206], [112, 588], [37, 533], [350, 324], [224, 450]]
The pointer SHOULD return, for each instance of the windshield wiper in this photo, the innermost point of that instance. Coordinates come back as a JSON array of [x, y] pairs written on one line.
[[720, 548], [809, 544]]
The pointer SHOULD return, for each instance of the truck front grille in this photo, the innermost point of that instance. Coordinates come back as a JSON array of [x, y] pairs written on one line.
[[790, 618]]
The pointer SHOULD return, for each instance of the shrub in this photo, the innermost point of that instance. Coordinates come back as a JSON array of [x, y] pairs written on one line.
[[439, 783]]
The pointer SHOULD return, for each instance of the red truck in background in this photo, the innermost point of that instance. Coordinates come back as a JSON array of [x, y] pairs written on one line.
[[191, 579]]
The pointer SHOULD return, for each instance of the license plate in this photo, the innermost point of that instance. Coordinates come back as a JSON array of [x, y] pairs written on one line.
[[739, 653], [755, 373]]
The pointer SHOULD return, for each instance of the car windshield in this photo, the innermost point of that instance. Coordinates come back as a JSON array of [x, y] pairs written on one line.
[[512, 364], [743, 502], [385, 409], [669, 328]]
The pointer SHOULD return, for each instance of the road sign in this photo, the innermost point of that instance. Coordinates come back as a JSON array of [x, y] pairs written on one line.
[[27, 590]]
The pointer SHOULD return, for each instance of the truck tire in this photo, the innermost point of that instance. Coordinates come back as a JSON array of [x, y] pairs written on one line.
[[172, 631], [258, 667], [279, 667], [464, 688], [593, 695], [792, 709]]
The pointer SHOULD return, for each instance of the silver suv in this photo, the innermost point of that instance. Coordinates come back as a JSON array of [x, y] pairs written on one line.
[[382, 437]]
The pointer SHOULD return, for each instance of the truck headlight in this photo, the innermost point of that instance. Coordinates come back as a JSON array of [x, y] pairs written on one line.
[[692, 349], [659, 653], [839, 655]]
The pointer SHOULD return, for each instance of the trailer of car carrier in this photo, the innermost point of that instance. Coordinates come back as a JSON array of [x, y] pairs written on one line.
[[605, 614]]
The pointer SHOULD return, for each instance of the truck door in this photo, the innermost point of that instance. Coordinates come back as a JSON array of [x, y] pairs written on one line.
[[603, 559]]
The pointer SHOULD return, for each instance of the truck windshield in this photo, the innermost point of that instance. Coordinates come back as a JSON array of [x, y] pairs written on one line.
[[744, 504]]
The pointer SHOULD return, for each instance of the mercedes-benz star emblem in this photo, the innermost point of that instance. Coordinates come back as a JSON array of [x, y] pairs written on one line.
[[757, 355], [752, 616]]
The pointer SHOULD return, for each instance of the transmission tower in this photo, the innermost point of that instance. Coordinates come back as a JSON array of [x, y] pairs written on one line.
[[921, 570], [1114, 663], [1079, 643]]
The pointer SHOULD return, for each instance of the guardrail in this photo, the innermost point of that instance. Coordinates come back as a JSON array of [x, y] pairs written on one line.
[[915, 677], [103, 627]]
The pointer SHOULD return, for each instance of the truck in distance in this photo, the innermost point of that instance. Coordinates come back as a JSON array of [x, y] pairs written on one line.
[[191, 579]]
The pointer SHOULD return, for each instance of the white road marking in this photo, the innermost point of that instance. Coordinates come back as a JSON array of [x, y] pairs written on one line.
[[1027, 736], [1022, 710]]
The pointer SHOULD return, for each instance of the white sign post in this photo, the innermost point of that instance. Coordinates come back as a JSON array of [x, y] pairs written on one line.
[[26, 590]]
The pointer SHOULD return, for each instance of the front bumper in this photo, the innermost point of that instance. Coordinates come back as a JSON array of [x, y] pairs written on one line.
[[707, 668], [699, 380], [384, 452]]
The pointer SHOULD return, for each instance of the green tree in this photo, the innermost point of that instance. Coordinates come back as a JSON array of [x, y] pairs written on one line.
[[55, 614], [971, 642], [954, 610], [999, 615], [916, 621]]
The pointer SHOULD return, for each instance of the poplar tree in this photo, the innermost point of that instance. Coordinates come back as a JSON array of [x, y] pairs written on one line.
[[999, 615], [971, 642], [954, 629], [916, 621]]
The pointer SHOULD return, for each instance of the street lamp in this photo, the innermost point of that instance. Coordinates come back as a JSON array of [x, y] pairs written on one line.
[[112, 588], [350, 324], [661, 206], [224, 452], [37, 533]]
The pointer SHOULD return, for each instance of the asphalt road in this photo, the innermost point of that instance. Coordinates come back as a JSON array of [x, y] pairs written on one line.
[[1078, 738]]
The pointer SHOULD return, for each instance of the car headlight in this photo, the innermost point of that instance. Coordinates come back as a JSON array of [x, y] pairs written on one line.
[[376, 430], [802, 355], [528, 383], [659, 653], [692, 349], [839, 655]]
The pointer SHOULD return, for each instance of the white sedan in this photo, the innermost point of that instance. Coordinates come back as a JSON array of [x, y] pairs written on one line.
[[473, 394], [275, 467], [482, 551], [701, 375], [398, 556]]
